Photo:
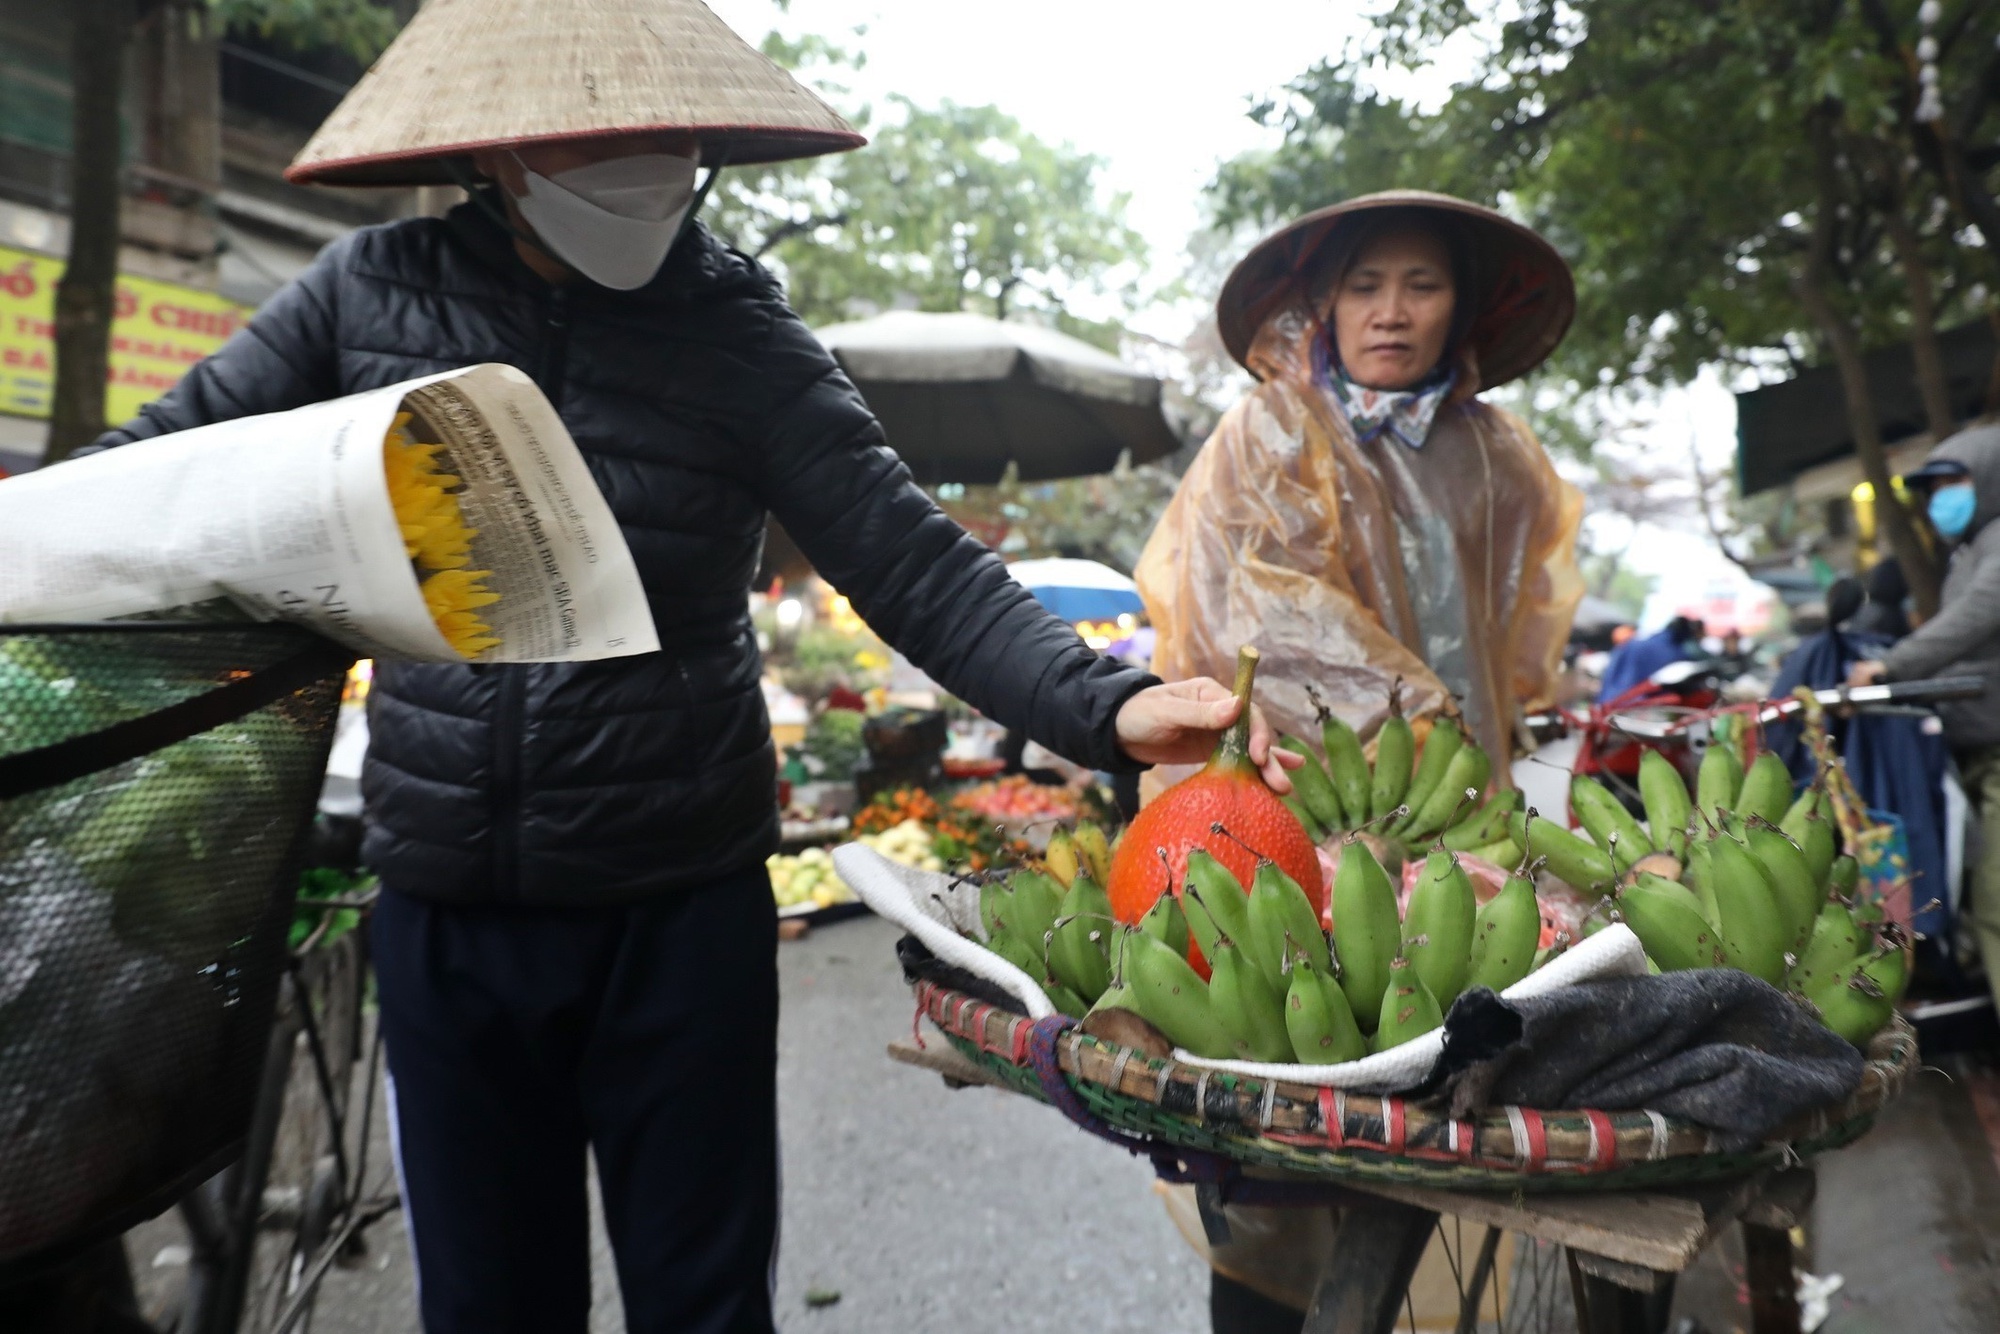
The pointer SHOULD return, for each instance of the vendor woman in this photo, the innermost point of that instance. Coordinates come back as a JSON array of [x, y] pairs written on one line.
[[1362, 516], [576, 939]]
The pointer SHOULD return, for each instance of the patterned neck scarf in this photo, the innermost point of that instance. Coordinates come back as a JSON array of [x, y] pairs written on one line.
[[1405, 414]]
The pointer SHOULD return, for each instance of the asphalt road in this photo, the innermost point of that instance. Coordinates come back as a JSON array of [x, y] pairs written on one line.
[[923, 1208], [973, 1211]]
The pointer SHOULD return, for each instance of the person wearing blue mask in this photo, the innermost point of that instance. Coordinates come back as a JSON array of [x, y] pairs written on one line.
[[1960, 483]]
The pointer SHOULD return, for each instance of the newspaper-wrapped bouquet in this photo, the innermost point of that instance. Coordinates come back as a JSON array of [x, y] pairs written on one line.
[[445, 519]]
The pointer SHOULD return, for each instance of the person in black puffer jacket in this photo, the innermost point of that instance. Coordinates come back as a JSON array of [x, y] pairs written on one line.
[[575, 942]]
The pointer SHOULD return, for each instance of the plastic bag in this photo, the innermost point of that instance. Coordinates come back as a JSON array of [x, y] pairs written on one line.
[[1349, 565]]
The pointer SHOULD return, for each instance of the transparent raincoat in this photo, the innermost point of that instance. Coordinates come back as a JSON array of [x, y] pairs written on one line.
[[1351, 564]]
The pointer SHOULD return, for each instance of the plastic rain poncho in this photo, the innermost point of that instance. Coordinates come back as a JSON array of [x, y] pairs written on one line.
[[1351, 564]]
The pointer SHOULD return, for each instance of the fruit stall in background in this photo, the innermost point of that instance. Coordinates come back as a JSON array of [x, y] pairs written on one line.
[[865, 755]]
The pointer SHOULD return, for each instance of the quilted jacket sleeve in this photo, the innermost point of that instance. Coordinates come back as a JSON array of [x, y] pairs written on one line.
[[284, 358], [916, 577]]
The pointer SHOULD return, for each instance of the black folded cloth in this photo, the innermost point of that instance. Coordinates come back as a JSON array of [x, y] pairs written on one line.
[[1718, 1048]]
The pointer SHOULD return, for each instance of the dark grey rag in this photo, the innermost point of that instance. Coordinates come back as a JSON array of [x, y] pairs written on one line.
[[1716, 1047]]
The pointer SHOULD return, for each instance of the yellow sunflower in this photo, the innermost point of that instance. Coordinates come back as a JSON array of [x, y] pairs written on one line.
[[436, 539]]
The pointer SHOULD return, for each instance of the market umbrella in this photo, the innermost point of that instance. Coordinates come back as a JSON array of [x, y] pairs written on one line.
[[1078, 590], [961, 396], [1595, 613]]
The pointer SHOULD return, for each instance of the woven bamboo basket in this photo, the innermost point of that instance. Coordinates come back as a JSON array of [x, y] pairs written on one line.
[[1177, 1112]]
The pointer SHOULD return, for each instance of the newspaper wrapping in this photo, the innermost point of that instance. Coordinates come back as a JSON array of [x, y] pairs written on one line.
[[288, 516]]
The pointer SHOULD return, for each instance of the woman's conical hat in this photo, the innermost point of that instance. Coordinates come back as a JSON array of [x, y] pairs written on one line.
[[1524, 289], [471, 74]]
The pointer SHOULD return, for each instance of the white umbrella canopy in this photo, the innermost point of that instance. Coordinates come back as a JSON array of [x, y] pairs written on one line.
[[1078, 590], [961, 396]]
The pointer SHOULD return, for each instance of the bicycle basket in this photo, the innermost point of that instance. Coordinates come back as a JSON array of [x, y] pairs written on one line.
[[156, 780]]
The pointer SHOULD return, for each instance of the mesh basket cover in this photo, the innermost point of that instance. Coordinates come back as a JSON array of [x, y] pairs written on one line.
[[142, 905]]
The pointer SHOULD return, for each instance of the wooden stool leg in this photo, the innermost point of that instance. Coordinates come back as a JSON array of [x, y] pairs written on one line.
[[1774, 1292], [1375, 1253]]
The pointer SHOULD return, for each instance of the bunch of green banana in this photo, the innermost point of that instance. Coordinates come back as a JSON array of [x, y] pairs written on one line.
[[1416, 797], [1279, 989], [1763, 890]]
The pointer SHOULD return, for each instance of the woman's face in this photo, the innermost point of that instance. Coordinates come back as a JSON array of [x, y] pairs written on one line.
[[1393, 310]]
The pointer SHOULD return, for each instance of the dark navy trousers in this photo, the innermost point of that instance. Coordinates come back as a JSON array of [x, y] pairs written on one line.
[[519, 1038]]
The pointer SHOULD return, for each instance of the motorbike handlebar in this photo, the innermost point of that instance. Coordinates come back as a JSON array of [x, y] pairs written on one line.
[[1671, 721]]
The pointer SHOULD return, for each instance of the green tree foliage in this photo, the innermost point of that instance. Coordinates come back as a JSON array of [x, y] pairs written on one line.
[[362, 28], [948, 208], [1742, 182]]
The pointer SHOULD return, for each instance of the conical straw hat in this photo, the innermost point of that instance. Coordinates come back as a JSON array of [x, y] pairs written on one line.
[[469, 74], [1523, 289]]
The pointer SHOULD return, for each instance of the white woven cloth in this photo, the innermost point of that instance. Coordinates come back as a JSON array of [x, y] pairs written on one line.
[[936, 909]]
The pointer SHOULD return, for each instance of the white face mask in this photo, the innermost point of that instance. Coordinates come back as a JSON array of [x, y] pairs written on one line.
[[612, 221]]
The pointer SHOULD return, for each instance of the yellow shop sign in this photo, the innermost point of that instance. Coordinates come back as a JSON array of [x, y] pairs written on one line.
[[158, 330]]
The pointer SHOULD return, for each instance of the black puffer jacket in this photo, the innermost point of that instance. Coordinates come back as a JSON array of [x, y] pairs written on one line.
[[701, 402]]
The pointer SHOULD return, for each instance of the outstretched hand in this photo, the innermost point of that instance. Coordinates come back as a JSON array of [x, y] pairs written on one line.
[[1181, 723]]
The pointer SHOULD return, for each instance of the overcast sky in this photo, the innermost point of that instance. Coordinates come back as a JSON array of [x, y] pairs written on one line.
[[1160, 90]]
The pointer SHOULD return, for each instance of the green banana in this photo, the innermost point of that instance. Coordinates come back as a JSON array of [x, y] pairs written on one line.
[[1504, 936], [1036, 900], [1607, 821], [1014, 951], [1365, 930], [1437, 928], [1853, 1002], [1346, 765], [1890, 967], [1441, 747], [1503, 854], [1580, 864], [1166, 923], [1078, 951], [1247, 1006], [1319, 1023], [1171, 996], [1752, 923], [1395, 748], [996, 902], [1280, 920], [1767, 789], [1717, 781], [1665, 796], [1673, 931], [1066, 1001], [1313, 785], [1697, 877], [1837, 940], [1797, 889], [1221, 906], [1468, 771], [1118, 996], [1486, 825], [1673, 889], [1314, 830], [1802, 808], [1408, 1008], [1819, 841]]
